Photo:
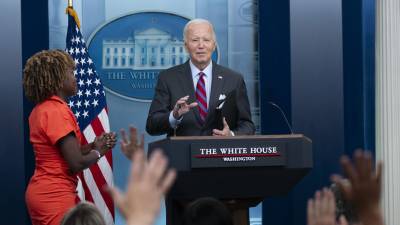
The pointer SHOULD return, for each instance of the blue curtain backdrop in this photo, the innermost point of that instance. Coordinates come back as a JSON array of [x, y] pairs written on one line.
[[317, 63], [24, 26], [12, 186]]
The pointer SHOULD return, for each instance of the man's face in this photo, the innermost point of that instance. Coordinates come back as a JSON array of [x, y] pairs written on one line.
[[200, 44]]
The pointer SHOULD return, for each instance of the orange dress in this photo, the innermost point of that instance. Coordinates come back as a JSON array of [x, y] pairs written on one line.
[[52, 189]]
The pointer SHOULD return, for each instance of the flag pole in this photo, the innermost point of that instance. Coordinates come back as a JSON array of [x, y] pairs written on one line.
[[70, 10]]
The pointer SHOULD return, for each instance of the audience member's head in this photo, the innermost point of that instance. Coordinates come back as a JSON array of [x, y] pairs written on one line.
[[207, 211], [84, 213]]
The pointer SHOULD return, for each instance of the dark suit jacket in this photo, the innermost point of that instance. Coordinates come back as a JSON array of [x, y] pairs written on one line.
[[176, 82]]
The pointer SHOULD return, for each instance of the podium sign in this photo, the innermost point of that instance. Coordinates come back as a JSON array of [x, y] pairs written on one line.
[[237, 153]]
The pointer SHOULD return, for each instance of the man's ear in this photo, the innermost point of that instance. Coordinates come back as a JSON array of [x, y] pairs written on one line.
[[186, 48], [215, 46]]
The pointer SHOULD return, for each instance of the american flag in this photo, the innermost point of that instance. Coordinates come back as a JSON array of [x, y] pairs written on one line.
[[90, 109]]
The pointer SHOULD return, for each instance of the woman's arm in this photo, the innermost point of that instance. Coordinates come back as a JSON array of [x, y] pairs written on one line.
[[101, 143], [79, 158]]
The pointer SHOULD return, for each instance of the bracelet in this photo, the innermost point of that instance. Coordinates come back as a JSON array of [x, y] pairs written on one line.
[[97, 153]]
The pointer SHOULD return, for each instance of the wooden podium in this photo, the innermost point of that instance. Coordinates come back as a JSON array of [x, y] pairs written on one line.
[[240, 171]]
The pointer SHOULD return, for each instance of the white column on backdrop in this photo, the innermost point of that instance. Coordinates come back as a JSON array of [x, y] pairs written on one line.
[[58, 21], [388, 104]]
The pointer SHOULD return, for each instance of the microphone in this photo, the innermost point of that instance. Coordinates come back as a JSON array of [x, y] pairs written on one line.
[[283, 115]]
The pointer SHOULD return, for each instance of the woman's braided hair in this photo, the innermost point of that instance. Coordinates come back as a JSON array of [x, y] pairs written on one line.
[[44, 74]]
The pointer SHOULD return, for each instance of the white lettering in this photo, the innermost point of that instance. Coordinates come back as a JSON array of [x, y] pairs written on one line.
[[263, 150], [116, 76], [208, 151]]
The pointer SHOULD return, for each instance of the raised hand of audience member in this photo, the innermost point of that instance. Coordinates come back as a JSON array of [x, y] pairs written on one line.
[[131, 145], [148, 183], [321, 209], [364, 188]]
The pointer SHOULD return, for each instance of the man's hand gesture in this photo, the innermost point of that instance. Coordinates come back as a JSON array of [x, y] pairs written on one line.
[[226, 131], [181, 107]]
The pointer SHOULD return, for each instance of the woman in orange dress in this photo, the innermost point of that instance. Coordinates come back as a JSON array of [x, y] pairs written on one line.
[[54, 133]]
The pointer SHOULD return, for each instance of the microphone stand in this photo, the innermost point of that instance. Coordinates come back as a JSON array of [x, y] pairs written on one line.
[[283, 115]]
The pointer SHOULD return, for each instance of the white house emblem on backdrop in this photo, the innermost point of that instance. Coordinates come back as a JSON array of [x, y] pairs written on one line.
[[133, 49], [148, 49]]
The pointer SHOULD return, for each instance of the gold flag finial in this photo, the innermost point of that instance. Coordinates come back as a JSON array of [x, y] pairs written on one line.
[[70, 3], [69, 10]]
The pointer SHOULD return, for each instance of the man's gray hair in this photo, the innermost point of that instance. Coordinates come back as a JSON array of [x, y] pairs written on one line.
[[198, 21]]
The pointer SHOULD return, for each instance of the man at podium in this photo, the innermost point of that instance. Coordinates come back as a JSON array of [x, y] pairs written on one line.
[[192, 99]]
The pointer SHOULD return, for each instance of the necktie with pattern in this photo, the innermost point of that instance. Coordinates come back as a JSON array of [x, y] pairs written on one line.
[[201, 97]]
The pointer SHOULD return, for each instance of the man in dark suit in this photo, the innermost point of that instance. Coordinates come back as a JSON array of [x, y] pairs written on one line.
[[187, 95]]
